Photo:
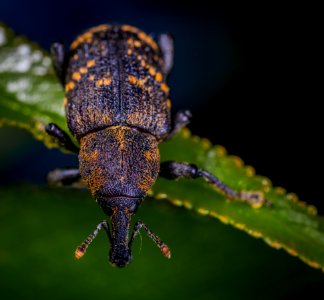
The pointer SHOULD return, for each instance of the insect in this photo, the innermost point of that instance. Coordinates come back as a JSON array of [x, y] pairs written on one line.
[[118, 108]]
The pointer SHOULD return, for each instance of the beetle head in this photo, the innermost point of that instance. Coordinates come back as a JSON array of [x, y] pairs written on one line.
[[120, 209]]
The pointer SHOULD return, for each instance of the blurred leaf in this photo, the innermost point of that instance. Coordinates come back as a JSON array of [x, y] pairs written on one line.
[[41, 227], [30, 93], [287, 223], [30, 97]]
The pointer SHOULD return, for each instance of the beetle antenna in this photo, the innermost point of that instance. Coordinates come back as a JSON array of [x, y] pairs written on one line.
[[163, 247], [80, 251]]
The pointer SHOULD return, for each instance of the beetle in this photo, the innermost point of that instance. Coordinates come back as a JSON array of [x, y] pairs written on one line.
[[118, 109]]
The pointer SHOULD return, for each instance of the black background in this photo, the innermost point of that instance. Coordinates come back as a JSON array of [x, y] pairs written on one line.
[[248, 72]]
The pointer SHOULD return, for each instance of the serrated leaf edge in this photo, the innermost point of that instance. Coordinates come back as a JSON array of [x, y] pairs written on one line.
[[221, 151]]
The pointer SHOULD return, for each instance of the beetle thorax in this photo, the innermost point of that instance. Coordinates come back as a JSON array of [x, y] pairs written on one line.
[[119, 161]]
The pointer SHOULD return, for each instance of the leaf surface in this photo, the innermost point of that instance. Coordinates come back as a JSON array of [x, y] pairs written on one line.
[[31, 97]]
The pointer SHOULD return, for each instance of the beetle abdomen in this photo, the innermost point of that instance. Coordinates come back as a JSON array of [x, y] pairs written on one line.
[[114, 77]]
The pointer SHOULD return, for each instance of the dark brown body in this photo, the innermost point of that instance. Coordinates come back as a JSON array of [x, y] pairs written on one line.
[[117, 107]]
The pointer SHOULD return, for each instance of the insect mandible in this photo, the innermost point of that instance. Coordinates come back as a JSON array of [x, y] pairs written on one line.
[[118, 109]]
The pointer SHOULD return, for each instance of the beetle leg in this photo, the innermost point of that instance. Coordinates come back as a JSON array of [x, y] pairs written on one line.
[[182, 118], [165, 42], [163, 247], [63, 176], [175, 170], [58, 54], [62, 137]]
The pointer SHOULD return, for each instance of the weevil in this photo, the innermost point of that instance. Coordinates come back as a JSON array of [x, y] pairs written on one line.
[[118, 109]]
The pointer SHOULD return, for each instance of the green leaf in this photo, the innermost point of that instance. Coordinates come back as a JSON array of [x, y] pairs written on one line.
[[41, 227], [30, 97], [287, 223]]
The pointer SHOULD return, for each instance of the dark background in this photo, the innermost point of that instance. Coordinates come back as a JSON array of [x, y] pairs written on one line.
[[247, 72], [249, 75]]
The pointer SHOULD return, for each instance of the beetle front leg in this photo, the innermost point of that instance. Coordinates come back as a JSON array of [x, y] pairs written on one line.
[[62, 137], [66, 176], [58, 54], [182, 118], [165, 41], [175, 170]]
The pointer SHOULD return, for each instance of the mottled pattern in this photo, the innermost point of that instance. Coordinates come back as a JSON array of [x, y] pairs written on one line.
[[114, 77], [119, 161]]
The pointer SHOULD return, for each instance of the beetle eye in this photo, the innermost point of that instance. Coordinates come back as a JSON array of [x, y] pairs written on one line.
[[132, 209]]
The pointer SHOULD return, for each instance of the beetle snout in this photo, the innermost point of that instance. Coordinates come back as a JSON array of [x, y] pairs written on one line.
[[121, 257]]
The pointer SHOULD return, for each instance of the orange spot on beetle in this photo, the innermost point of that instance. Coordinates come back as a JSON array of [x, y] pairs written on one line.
[[83, 70], [76, 76], [151, 71], [137, 44], [140, 83], [99, 82], [168, 104], [132, 79], [90, 63], [148, 155], [103, 82], [69, 86], [165, 88], [130, 42], [107, 81], [158, 77]]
